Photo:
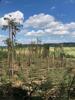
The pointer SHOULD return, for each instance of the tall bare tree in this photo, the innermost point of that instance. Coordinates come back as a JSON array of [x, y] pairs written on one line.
[[13, 27]]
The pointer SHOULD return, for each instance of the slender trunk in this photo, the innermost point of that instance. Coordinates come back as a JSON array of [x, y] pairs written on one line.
[[12, 52], [9, 52]]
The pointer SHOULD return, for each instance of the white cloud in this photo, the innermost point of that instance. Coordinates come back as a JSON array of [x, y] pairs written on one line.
[[2, 39], [40, 25], [40, 20], [27, 40], [3, 22], [35, 33], [45, 24], [70, 26], [17, 16]]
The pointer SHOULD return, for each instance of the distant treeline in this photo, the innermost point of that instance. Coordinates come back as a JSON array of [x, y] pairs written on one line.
[[69, 44], [47, 44]]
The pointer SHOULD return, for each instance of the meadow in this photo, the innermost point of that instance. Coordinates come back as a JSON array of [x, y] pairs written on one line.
[[42, 71]]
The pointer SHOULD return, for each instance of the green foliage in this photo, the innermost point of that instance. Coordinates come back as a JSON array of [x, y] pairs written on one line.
[[46, 85], [69, 56], [5, 79], [8, 42], [20, 75], [3, 55], [46, 50]]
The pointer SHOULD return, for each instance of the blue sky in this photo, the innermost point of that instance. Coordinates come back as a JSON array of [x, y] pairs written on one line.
[[61, 10]]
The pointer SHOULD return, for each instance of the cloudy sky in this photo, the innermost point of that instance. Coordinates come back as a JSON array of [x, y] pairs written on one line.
[[48, 20]]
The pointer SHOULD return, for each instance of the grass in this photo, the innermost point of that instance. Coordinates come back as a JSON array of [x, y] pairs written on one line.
[[48, 68], [39, 64], [70, 51]]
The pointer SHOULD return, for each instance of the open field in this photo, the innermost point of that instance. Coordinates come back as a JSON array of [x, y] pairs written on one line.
[[39, 70], [37, 50]]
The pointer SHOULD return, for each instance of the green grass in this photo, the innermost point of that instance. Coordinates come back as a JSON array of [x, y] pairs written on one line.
[[70, 50]]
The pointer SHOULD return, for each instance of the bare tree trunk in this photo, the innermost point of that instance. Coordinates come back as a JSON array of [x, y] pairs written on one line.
[[9, 52], [12, 54]]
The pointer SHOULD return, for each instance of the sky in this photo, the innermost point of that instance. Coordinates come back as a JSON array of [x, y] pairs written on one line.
[[49, 20]]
